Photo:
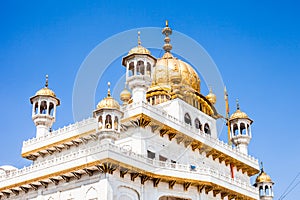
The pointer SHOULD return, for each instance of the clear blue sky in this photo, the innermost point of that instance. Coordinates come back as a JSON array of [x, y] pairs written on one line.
[[256, 46]]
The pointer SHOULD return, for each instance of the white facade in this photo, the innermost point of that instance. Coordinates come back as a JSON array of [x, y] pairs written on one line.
[[169, 150]]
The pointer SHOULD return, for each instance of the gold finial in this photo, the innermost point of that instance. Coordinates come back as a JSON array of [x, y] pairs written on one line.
[[227, 115], [237, 104], [46, 84], [139, 38], [210, 89], [261, 166], [108, 90], [167, 31]]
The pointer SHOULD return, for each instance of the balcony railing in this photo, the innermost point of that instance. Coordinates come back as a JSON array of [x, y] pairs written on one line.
[[155, 165]]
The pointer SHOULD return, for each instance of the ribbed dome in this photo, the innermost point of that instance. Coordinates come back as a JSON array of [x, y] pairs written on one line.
[[263, 178], [108, 102], [139, 50], [45, 92], [168, 67], [238, 115]]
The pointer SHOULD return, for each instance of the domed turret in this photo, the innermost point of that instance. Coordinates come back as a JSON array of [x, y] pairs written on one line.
[[264, 184], [139, 65], [108, 102], [240, 127], [44, 104], [108, 115]]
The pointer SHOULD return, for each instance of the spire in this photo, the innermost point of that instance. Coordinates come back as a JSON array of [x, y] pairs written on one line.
[[237, 104], [139, 38], [108, 89], [261, 166], [227, 115], [46, 84], [167, 31]]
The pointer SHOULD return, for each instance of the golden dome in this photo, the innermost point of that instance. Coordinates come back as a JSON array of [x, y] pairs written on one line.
[[125, 95], [263, 178], [211, 97], [108, 102], [168, 67], [139, 49], [45, 92], [239, 115]]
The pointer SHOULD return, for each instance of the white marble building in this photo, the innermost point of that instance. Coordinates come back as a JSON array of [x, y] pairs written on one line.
[[160, 144]]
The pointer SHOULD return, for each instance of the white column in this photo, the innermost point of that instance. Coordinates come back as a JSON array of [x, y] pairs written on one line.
[[134, 68], [127, 70], [113, 122], [54, 110], [47, 109]]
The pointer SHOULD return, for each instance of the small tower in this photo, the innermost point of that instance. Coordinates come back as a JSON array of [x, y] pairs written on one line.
[[44, 104], [265, 185], [139, 65], [108, 115], [240, 129]]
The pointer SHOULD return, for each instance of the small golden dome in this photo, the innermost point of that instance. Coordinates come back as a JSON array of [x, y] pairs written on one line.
[[139, 49], [125, 95], [239, 115], [211, 97], [263, 178], [108, 102], [45, 92]]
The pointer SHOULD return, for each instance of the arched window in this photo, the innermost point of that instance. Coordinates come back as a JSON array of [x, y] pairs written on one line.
[[140, 68], [100, 122], [148, 70], [243, 129], [187, 119], [36, 107], [108, 122], [51, 108], [43, 107], [206, 129], [261, 191], [267, 191], [198, 124], [235, 129], [131, 69], [116, 123]]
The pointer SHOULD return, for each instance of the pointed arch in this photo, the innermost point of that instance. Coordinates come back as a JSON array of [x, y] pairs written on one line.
[[207, 129], [91, 194], [187, 119]]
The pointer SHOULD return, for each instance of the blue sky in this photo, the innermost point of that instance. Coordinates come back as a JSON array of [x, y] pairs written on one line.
[[256, 46]]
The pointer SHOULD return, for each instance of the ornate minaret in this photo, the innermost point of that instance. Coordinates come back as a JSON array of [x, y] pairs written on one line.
[[44, 104], [265, 185], [240, 126], [139, 65], [108, 115]]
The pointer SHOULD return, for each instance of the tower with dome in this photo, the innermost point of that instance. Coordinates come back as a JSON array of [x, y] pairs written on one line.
[[160, 143]]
